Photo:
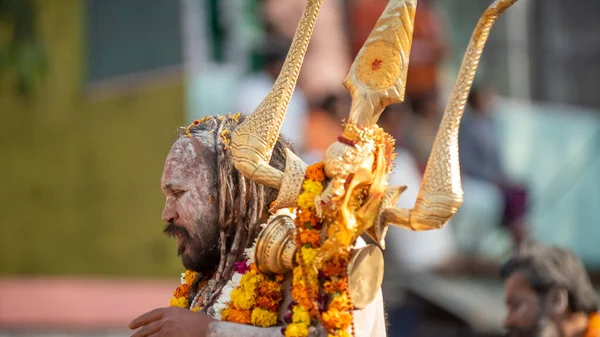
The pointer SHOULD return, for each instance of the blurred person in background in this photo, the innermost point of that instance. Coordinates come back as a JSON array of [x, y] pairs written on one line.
[[481, 164], [549, 293], [324, 125], [328, 59], [254, 87]]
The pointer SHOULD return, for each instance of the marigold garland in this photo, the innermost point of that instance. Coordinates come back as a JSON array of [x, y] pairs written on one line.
[[250, 297], [593, 329], [254, 298], [182, 293], [305, 283]]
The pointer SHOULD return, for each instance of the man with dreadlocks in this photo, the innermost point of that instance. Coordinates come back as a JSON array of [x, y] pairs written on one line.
[[215, 213], [549, 293]]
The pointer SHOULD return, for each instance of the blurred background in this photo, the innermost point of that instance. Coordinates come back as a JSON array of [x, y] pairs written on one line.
[[93, 92]]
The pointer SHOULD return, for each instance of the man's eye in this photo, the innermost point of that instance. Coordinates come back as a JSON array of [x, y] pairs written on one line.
[[178, 194]]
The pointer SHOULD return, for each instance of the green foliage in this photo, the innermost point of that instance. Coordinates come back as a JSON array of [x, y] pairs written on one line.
[[21, 51]]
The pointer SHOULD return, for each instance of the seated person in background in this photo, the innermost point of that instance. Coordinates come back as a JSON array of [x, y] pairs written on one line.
[[480, 159], [548, 293]]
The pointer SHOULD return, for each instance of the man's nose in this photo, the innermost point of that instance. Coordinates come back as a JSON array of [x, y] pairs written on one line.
[[169, 213]]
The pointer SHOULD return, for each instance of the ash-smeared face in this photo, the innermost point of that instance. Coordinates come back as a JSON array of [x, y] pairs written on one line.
[[189, 183]]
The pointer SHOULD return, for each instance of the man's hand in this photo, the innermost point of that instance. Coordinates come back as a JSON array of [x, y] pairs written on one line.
[[171, 322]]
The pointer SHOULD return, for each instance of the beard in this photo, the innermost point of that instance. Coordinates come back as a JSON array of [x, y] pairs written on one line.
[[545, 327], [198, 253]]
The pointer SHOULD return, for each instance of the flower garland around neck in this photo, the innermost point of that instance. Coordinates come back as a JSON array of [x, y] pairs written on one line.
[[304, 310], [181, 295], [593, 329], [249, 297]]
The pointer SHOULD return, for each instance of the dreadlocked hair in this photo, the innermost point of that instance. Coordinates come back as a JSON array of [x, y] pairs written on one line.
[[242, 204]]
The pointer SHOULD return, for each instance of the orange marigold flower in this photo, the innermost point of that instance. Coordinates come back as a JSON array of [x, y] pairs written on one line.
[[310, 237], [239, 316], [269, 295], [334, 286], [335, 319], [300, 294], [304, 216], [182, 291], [335, 266], [593, 329], [316, 172], [267, 303], [341, 302]]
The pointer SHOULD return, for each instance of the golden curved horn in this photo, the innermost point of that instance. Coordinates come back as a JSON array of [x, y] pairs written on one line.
[[441, 192], [377, 78], [252, 141]]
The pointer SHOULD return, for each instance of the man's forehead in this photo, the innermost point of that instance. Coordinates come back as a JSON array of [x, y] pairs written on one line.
[[517, 282], [187, 156]]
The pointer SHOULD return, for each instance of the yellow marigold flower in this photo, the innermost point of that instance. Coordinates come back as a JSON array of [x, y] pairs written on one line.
[[309, 255], [341, 302], [263, 318], [306, 200], [242, 299], [297, 274], [300, 315], [225, 314], [196, 309], [312, 187], [190, 276], [296, 330], [181, 302]]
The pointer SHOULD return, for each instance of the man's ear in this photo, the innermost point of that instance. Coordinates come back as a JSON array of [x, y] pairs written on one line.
[[558, 300]]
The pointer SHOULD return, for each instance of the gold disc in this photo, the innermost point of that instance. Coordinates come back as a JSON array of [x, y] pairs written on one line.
[[365, 275], [379, 66]]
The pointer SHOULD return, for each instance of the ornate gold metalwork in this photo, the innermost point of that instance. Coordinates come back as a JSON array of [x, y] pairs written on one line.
[[356, 198], [254, 139], [377, 78], [441, 193], [275, 248], [291, 185]]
